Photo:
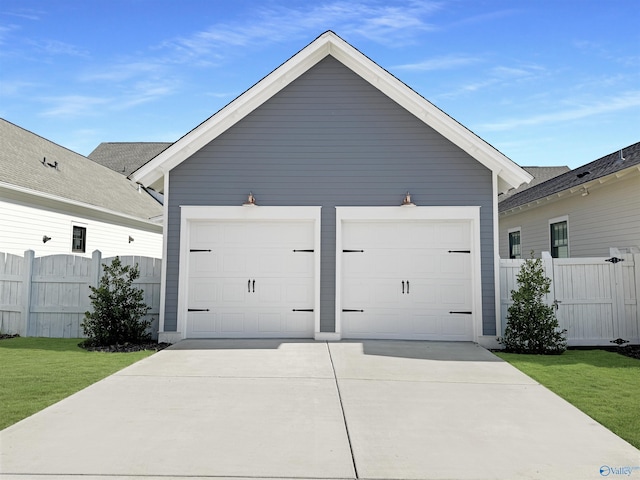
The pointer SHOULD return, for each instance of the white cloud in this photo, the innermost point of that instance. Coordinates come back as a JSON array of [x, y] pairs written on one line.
[[380, 22], [69, 106], [440, 63], [575, 112]]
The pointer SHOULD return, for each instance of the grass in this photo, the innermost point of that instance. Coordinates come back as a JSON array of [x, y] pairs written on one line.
[[38, 372], [604, 385]]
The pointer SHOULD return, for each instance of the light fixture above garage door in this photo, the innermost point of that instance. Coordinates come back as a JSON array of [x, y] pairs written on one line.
[[251, 201]]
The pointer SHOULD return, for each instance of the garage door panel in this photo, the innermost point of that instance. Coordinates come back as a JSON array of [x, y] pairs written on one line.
[[417, 253], [455, 295], [425, 324], [299, 323], [300, 294], [204, 234], [202, 292], [371, 292], [203, 264], [232, 322], [251, 280]]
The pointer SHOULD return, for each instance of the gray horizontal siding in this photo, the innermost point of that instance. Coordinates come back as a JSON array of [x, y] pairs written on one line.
[[330, 139]]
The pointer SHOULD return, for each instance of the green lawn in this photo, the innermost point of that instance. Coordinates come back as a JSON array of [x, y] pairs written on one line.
[[37, 372], [604, 385]]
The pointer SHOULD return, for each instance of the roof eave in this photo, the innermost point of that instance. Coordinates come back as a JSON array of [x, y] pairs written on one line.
[[76, 203], [571, 190]]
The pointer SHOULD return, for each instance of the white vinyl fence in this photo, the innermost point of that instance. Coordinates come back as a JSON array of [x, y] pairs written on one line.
[[596, 299], [48, 296]]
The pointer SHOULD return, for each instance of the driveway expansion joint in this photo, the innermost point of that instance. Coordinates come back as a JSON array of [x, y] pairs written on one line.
[[344, 417]]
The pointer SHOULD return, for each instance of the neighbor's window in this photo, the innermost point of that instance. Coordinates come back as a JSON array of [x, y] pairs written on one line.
[[514, 244], [559, 240], [79, 240]]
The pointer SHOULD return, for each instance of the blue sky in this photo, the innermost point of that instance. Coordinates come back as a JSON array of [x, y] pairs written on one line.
[[547, 82]]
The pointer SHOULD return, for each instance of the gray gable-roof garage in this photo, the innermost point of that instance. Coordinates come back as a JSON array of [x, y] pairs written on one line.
[[329, 144]]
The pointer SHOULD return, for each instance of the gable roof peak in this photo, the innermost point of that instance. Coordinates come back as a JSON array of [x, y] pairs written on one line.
[[509, 174]]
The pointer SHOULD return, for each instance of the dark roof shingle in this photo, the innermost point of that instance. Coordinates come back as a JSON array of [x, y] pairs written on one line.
[[126, 157], [614, 162]]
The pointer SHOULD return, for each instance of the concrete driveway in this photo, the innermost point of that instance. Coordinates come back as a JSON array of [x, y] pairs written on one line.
[[301, 409]]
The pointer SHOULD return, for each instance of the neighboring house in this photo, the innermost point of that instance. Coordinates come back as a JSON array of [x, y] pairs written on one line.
[[127, 157], [581, 213], [539, 174], [55, 201], [322, 152]]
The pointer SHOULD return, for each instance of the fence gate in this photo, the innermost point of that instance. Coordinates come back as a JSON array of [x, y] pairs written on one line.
[[596, 298]]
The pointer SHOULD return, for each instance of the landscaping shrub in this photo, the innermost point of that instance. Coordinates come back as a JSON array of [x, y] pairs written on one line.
[[118, 308], [532, 326]]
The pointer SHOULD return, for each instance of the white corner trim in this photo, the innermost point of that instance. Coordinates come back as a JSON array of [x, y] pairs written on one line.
[[496, 257], [163, 273], [469, 213], [190, 214]]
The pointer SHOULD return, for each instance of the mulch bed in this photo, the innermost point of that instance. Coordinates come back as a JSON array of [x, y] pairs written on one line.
[[632, 351], [127, 347], [6, 335]]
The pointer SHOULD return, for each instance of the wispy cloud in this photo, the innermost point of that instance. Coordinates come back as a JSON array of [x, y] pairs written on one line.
[[446, 62], [55, 47], [623, 101], [379, 22], [497, 76], [120, 72], [26, 13], [6, 31], [70, 106]]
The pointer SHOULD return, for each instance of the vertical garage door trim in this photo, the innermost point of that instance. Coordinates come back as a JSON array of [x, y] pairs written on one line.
[[243, 214], [462, 215]]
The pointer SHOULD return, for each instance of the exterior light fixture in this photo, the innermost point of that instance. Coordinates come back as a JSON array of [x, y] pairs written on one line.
[[251, 201], [45, 239], [130, 239], [407, 201]]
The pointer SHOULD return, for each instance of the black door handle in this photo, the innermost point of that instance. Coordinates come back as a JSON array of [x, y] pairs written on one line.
[[249, 285], [403, 287], [407, 287], [254, 286]]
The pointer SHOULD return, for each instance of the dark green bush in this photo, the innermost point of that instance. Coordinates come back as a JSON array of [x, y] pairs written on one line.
[[532, 326], [118, 308]]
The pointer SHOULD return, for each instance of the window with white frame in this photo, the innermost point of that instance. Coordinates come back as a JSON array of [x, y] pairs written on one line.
[[559, 236], [515, 249], [79, 239]]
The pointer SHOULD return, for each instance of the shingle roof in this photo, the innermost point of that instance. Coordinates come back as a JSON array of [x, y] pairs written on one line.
[[612, 163], [29, 161], [126, 157], [540, 174]]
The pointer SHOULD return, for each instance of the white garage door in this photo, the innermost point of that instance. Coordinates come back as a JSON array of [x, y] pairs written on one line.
[[407, 280], [251, 279]]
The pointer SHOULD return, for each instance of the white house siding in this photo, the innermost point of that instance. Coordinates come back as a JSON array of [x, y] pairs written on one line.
[[608, 217], [22, 226]]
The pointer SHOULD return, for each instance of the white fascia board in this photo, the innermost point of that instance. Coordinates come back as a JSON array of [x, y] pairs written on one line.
[[330, 44], [48, 196]]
